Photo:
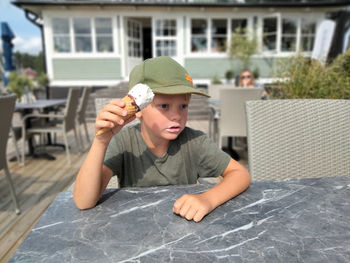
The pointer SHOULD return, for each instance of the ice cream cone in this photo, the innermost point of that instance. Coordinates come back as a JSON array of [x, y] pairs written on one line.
[[130, 106], [138, 98]]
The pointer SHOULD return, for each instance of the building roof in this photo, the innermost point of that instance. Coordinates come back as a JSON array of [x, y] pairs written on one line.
[[208, 3]]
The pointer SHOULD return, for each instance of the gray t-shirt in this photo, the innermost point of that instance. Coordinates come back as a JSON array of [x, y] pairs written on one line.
[[191, 155]]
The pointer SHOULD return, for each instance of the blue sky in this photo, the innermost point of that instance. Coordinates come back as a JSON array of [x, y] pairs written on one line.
[[28, 37]]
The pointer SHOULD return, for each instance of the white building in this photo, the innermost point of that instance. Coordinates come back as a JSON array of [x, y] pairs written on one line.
[[97, 43]]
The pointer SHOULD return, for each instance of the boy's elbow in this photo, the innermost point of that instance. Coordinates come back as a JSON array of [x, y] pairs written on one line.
[[83, 205], [245, 178]]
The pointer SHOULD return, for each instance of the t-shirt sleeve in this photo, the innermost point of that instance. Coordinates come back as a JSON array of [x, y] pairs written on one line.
[[212, 161]]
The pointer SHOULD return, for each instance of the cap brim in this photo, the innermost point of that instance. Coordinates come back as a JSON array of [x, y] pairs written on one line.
[[178, 90]]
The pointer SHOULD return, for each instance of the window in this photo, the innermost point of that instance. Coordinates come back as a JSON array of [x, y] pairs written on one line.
[[238, 25], [134, 39], [166, 27], [61, 36], [199, 41], [289, 34], [166, 48], [82, 34], [104, 34], [165, 39], [308, 29], [219, 35], [269, 34]]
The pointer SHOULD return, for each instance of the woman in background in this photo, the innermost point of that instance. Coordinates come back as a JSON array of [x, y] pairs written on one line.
[[246, 80]]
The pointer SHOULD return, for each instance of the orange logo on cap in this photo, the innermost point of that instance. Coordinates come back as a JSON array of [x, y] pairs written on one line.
[[188, 78]]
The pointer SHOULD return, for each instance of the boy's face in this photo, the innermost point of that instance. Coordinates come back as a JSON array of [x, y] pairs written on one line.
[[166, 116]]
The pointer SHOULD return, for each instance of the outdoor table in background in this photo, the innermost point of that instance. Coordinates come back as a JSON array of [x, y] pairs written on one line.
[[298, 220], [39, 105], [43, 106]]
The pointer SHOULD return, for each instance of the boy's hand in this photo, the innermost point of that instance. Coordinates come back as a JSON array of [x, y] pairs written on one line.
[[110, 117], [193, 206]]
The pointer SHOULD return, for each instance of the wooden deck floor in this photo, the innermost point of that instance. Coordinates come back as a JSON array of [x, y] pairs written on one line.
[[37, 184]]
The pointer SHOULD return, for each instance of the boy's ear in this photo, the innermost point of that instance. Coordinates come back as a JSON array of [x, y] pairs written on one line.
[[138, 114]]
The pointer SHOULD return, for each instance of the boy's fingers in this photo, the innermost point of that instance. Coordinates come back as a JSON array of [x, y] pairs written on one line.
[[199, 216], [178, 204], [191, 213], [111, 109], [184, 209], [103, 124]]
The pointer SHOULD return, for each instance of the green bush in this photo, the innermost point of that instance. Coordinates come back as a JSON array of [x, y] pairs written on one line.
[[42, 80], [216, 80], [303, 78], [19, 84], [230, 74]]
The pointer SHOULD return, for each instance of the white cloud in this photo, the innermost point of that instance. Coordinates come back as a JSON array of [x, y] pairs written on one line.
[[31, 45]]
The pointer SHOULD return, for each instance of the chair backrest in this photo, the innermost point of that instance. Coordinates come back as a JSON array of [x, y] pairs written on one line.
[[232, 111], [83, 104], [298, 138], [214, 90], [71, 108], [7, 106]]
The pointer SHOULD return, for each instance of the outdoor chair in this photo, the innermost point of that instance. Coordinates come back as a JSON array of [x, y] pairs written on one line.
[[7, 105], [232, 120], [16, 135], [81, 120], [214, 90], [298, 138], [67, 119]]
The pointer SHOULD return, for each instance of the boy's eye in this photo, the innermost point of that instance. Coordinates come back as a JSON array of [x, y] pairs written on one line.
[[184, 106], [164, 106]]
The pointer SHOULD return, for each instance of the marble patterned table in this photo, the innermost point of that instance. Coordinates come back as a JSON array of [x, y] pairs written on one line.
[[305, 220]]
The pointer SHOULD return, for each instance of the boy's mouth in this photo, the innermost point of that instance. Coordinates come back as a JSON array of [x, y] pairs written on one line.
[[173, 129]]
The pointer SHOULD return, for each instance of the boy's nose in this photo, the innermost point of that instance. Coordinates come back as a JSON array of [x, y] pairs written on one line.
[[175, 115]]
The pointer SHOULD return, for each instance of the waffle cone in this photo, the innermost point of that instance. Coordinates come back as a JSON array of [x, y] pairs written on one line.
[[130, 106]]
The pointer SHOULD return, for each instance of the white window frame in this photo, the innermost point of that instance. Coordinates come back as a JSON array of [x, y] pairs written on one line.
[[134, 40], [301, 34], [94, 54], [297, 44], [208, 52], [91, 35], [103, 35], [165, 38], [190, 36], [62, 35], [278, 34], [212, 34], [316, 18]]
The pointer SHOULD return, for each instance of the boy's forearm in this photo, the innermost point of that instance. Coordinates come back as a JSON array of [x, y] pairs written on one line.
[[88, 184], [230, 186]]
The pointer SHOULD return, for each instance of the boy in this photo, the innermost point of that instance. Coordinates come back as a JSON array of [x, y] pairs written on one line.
[[159, 150]]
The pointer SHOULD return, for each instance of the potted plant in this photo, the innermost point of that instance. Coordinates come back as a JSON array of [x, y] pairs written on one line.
[[242, 47], [42, 82], [19, 85], [304, 78]]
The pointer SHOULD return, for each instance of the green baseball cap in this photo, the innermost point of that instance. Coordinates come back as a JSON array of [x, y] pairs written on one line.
[[164, 76]]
